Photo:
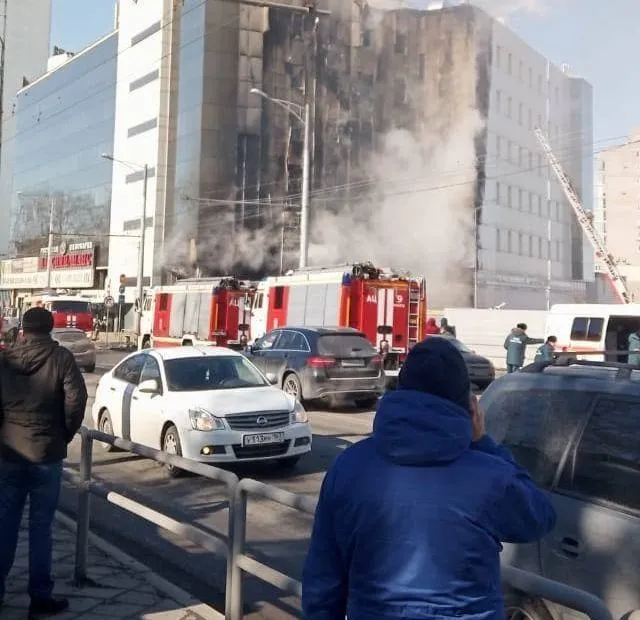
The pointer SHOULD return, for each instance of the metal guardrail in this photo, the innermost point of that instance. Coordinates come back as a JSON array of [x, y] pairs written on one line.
[[238, 562]]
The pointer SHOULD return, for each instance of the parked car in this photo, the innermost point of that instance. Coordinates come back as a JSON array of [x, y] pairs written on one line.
[[334, 363], [208, 404], [576, 428], [77, 341], [481, 371]]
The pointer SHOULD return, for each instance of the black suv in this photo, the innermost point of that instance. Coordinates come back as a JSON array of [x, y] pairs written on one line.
[[575, 425]]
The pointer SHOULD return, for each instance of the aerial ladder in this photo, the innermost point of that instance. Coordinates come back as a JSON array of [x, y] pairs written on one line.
[[585, 220]]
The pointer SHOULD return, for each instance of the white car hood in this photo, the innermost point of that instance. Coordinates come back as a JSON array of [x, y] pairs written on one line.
[[225, 402]]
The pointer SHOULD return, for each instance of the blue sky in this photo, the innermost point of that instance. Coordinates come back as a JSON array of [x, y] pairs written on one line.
[[599, 39]]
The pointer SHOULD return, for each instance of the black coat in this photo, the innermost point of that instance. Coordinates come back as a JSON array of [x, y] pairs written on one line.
[[43, 398]]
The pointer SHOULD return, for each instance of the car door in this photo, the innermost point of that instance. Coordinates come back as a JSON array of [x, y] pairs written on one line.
[[596, 543], [147, 409], [261, 349], [289, 352], [126, 377]]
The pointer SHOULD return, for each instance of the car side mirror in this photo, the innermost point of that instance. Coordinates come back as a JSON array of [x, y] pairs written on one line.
[[150, 386]]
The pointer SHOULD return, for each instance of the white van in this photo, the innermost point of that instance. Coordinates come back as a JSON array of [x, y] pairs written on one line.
[[586, 328]]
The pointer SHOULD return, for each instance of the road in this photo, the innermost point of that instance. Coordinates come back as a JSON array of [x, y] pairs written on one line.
[[275, 534]]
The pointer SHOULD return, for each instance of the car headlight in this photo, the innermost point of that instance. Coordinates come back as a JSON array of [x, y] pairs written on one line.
[[203, 420], [299, 415]]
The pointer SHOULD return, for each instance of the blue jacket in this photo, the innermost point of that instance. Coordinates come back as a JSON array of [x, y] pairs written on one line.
[[409, 522]]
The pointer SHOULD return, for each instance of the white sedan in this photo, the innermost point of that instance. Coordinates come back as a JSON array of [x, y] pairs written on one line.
[[208, 404]]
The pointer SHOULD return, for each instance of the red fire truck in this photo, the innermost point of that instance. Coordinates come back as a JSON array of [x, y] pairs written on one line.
[[390, 309], [213, 311], [67, 310]]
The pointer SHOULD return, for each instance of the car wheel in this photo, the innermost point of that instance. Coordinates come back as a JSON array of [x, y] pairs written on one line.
[[106, 426], [520, 607], [90, 368], [171, 445], [291, 385], [367, 403], [288, 463]]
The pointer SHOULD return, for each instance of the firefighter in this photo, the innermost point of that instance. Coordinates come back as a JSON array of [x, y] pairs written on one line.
[[516, 345], [545, 352], [634, 348], [432, 328], [446, 329]]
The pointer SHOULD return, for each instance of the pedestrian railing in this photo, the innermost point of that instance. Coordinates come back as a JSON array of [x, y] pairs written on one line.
[[238, 561]]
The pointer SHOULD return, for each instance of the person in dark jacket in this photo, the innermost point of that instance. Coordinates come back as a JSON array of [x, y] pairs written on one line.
[[446, 329], [409, 522], [516, 345], [545, 352], [634, 348], [43, 398]]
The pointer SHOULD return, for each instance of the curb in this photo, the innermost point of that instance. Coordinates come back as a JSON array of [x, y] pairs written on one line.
[[172, 591]]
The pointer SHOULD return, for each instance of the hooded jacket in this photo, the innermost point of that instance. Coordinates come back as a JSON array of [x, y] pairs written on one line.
[[516, 345], [43, 399], [410, 522]]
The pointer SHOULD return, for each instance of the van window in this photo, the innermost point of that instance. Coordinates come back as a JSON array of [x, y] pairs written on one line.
[[163, 302], [278, 302], [585, 328]]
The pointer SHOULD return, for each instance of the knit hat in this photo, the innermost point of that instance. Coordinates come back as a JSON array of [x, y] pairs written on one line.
[[37, 321], [435, 366]]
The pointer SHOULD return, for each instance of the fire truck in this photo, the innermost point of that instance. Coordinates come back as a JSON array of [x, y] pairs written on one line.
[[390, 309], [67, 310], [213, 311]]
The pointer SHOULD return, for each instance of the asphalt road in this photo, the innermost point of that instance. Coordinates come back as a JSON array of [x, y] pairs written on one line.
[[276, 535]]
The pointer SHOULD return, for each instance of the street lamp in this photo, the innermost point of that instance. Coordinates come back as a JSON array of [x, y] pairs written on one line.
[[52, 207], [303, 114], [143, 220]]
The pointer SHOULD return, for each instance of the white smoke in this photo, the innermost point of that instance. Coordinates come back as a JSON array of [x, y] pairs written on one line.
[[423, 219], [500, 9]]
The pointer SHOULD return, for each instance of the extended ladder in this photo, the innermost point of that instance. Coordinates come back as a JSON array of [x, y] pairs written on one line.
[[585, 220], [416, 298]]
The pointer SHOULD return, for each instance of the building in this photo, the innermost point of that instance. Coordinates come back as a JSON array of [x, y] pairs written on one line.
[[26, 26], [617, 214], [64, 123]]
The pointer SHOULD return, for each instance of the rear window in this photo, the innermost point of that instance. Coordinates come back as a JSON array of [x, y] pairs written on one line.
[[71, 306], [69, 336], [345, 345], [536, 425], [585, 328]]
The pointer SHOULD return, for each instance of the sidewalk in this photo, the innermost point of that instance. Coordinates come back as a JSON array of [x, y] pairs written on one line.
[[122, 589]]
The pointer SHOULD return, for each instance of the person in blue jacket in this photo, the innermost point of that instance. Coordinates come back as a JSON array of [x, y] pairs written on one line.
[[410, 521], [516, 345]]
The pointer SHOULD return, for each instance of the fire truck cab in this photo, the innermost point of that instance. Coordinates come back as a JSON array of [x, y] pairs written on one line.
[[212, 311], [67, 310], [388, 308]]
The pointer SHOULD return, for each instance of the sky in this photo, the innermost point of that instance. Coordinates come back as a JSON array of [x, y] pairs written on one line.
[[599, 39]]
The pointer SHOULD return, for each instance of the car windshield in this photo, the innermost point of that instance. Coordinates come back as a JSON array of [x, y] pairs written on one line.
[[198, 374], [345, 345], [70, 306]]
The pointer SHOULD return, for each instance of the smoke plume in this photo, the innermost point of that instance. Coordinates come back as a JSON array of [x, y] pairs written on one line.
[[423, 219], [500, 9]]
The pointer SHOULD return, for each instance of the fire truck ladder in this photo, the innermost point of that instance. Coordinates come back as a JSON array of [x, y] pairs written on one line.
[[585, 221], [415, 298]]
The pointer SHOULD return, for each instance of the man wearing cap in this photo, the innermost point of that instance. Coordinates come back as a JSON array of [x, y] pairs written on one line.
[[43, 397], [410, 521]]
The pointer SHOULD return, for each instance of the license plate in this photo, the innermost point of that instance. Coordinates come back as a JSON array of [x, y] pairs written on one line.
[[263, 438], [352, 363]]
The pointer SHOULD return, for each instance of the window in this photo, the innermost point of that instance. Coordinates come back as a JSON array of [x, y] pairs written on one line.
[[520, 71], [291, 341], [498, 146], [520, 244], [520, 113], [509, 107], [266, 342], [421, 66], [607, 460], [344, 345], [401, 43], [151, 370], [70, 307], [530, 77], [144, 80], [498, 244], [510, 63], [539, 84], [520, 156], [509, 196], [536, 425], [584, 328], [278, 301], [163, 302], [529, 245], [129, 371], [520, 199], [540, 248], [498, 192], [530, 160], [400, 92], [530, 118], [510, 239], [138, 175], [146, 33], [366, 38], [499, 101], [498, 56]]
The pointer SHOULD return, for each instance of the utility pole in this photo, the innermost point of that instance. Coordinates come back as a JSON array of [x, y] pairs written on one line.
[[52, 207], [140, 279], [476, 252], [3, 46]]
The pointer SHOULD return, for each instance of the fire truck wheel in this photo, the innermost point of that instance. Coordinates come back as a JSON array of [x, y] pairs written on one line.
[[105, 426], [291, 385], [367, 403], [171, 445]]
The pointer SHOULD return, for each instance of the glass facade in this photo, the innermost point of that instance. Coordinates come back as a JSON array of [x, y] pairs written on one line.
[[65, 122]]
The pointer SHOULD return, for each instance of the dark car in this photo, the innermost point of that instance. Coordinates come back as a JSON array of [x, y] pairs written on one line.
[[575, 425], [481, 370], [334, 363]]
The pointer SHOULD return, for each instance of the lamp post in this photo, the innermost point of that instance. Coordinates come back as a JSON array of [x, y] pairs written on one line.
[[303, 114], [143, 220]]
